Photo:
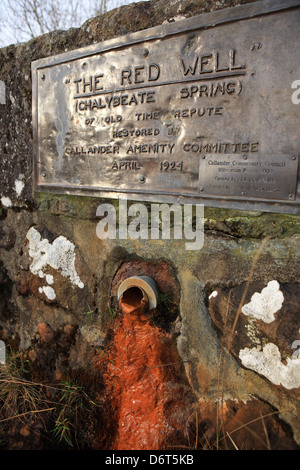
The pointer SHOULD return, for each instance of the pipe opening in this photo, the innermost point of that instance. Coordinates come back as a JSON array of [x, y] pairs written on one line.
[[132, 296], [140, 289], [134, 300]]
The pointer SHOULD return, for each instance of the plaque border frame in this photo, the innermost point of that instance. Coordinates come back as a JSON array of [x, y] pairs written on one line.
[[186, 25]]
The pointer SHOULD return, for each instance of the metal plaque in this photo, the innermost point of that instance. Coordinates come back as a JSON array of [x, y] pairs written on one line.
[[202, 110], [255, 176]]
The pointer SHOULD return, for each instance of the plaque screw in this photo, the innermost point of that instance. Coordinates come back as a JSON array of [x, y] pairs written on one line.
[[290, 195], [200, 189], [256, 45], [203, 157], [145, 52], [142, 179], [43, 76], [44, 175], [245, 157], [294, 158]]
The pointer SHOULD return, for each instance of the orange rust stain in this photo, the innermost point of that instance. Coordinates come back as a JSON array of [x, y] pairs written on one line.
[[143, 383]]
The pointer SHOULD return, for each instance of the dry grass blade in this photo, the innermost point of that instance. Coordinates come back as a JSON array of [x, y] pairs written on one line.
[[197, 430], [26, 413], [232, 441], [266, 432], [219, 371]]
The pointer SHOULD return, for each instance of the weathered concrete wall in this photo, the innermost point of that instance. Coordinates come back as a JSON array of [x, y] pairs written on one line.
[[57, 276]]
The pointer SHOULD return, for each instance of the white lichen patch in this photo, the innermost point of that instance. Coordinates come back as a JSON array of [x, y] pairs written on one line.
[[6, 201], [48, 291], [264, 305], [49, 278], [12, 99], [267, 362], [19, 185], [59, 255], [213, 294]]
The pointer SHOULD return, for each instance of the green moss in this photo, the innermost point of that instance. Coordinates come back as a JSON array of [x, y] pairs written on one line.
[[249, 224], [73, 206], [236, 223]]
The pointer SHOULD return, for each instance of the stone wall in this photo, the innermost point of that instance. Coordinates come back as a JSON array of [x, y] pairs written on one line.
[[232, 307]]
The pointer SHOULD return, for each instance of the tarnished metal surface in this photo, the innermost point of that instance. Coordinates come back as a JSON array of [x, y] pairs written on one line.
[[258, 175], [200, 110]]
